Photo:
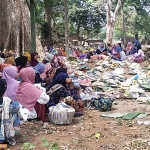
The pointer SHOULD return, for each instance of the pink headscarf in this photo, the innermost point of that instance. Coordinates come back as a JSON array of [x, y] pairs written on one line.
[[129, 46], [27, 94], [10, 74]]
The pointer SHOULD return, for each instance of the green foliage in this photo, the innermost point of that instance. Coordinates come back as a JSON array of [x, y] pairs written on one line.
[[28, 146], [85, 14], [88, 17], [101, 34], [137, 19], [44, 28], [47, 144]]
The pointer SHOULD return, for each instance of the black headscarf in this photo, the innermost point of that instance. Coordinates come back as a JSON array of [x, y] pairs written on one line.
[[21, 61], [60, 78], [64, 70], [3, 87]]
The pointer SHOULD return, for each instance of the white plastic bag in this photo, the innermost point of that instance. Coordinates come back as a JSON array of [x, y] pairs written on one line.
[[61, 114]]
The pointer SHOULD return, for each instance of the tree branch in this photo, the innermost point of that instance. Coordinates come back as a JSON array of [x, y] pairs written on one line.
[[109, 11], [117, 9]]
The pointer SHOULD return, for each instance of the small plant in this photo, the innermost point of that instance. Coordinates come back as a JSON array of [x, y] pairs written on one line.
[[53, 146], [28, 146], [119, 121]]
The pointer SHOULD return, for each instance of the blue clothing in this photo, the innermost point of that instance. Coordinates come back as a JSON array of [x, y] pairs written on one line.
[[118, 49], [39, 68], [119, 59], [13, 119], [133, 51], [75, 81], [137, 44]]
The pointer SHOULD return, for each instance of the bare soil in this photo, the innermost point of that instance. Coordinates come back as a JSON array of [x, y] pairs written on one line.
[[115, 134]]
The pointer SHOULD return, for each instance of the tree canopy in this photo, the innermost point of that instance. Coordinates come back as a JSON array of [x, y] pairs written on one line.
[[88, 18]]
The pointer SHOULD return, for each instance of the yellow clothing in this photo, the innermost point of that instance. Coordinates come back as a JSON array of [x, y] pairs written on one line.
[[11, 51], [10, 60], [27, 54], [4, 51]]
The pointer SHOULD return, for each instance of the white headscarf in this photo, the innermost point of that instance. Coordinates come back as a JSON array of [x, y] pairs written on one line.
[[101, 48]]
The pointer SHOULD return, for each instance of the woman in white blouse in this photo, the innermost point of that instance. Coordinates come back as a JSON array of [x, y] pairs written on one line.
[[32, 98]]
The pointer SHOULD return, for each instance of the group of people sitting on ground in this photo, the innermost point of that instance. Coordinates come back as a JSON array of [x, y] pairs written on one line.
[[29, 87], [133, 52]]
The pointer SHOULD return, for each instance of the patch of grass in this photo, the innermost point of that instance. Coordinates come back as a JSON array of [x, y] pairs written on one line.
[[119, 121], [28, 146], [139, 143], [50, 146]]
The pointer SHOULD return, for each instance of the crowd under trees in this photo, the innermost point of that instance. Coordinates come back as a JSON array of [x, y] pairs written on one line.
[[95, 19]]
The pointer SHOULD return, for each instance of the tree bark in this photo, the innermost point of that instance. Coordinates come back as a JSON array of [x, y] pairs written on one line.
[[111, 20], [66, 27], [33, 31], [123, 26], [48, 12], [78, 28], [136, 36], [15, 26]]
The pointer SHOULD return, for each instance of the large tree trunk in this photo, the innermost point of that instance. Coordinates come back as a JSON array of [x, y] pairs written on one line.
[[66, 27], [48, 12], [109, 33], [111, 20], [15, 26], [123, 26]]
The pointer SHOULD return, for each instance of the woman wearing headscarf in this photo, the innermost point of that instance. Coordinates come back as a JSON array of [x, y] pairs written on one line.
[[37, 66], [63, 51], [47, 62], [39, 69], [130, 51], [118, 53], [7, 111], [31, 97], [10, 75], [27, 54], [61, 87], [34, 61], [52, 63], [10, 58], [21, 62], [101, 49]]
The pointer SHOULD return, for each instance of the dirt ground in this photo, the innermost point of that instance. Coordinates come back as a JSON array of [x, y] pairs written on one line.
[[115, 134]]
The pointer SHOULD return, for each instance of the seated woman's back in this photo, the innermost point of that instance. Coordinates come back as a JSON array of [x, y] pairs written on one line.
[[10, 75]]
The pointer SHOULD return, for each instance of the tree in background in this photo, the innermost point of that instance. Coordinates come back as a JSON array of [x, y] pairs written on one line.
[[84, 14], [136, 20], [15, 26], [111, 18], [66, 28]]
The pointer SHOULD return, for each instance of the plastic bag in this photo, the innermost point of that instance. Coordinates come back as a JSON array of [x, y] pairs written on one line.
[[61, 114], [103, 103]]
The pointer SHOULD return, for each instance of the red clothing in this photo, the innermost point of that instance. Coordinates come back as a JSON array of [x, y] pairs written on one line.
[[41, 111], [77, 53]]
